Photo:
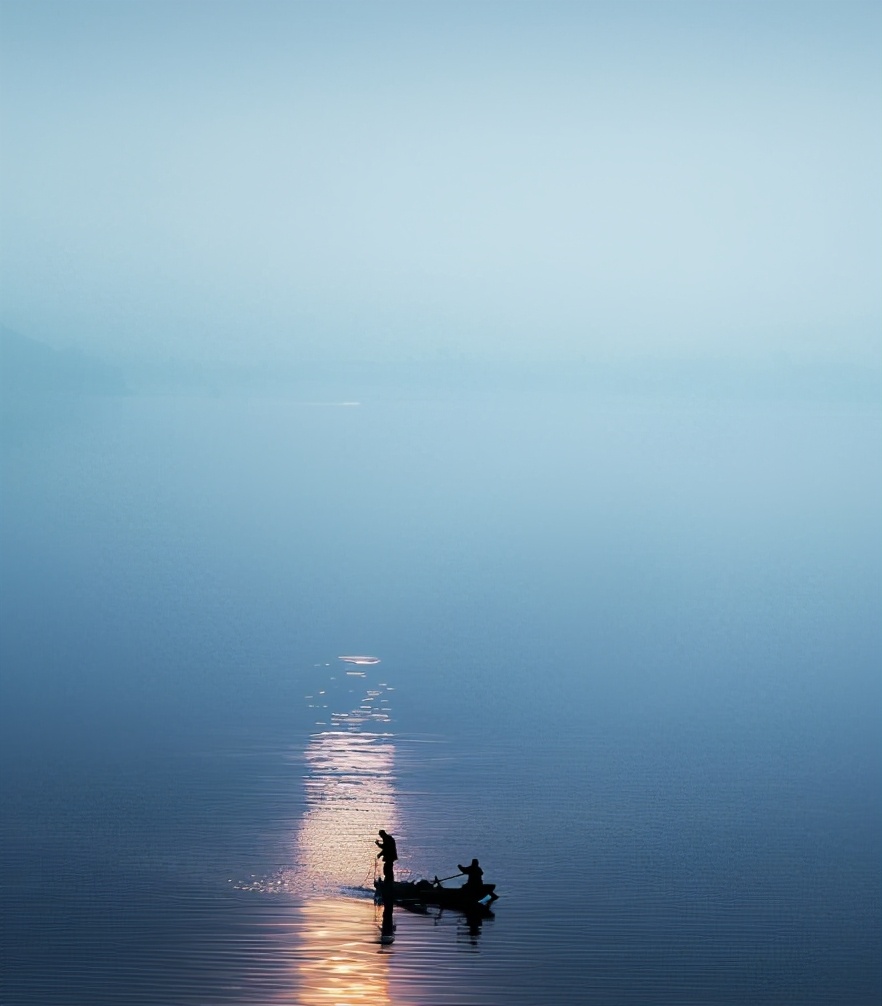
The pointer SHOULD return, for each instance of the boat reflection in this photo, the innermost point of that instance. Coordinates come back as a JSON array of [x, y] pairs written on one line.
[[469, 923]]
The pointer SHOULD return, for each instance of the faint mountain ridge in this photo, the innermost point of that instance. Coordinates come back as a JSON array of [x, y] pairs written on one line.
[[32, 369]]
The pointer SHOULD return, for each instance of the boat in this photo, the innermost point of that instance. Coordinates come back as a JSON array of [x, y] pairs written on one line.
[[428, 892]]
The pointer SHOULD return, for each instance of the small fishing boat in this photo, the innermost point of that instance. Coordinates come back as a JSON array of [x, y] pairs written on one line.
[[428, 892]]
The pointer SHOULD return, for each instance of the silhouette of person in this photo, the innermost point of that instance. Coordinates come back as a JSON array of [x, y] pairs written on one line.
[[388, 853], [474, 876]]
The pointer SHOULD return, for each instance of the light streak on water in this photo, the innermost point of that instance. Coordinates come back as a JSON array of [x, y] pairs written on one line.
[[350, 795], [349, 779], [350, 776]]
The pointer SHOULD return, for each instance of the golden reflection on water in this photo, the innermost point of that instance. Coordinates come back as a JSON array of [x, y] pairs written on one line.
[[338, 965], [350, 795]]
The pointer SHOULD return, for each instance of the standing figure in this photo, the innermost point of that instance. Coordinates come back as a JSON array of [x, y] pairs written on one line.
[[388, 853]]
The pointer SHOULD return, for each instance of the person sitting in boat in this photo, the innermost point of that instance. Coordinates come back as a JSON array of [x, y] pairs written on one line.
[[389, 853], [474, 876]]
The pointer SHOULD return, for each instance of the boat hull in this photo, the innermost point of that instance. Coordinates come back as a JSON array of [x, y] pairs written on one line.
[[426, 893]]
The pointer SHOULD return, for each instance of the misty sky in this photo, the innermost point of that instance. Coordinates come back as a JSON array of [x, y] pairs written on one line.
[[289, 181]]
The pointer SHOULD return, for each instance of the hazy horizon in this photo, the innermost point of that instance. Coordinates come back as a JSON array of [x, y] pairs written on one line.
[[273, 184]]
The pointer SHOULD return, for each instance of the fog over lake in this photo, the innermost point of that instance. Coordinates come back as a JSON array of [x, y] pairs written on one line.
[[633, 656], [461, 420]]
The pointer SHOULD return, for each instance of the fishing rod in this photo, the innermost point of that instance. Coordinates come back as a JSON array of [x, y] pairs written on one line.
[[371, 869]]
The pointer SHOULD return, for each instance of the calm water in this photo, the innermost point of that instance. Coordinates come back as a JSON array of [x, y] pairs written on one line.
[[630, 659]]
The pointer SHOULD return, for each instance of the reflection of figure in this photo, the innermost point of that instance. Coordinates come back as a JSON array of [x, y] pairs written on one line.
[[474, 875], [387, 928], [388, 853], [473, 922]]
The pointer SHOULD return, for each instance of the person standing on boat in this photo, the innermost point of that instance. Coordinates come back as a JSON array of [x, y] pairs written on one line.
[[474, 876], [388, 853]]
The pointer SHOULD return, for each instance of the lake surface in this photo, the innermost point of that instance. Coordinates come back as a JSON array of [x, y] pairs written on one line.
[[629, 658]]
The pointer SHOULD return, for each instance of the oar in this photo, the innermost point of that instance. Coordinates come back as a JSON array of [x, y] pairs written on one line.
[[441, 881]]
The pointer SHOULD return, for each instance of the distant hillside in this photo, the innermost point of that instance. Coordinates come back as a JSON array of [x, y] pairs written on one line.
[[31, 369]]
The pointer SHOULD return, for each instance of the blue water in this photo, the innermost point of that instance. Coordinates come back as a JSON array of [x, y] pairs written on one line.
[[629, 658]]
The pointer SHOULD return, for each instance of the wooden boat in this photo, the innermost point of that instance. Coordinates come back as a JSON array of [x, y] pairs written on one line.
[[427, 892]]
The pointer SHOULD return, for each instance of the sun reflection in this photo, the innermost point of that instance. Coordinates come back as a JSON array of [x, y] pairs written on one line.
[[341, 950], [350, 795], [337, 965]]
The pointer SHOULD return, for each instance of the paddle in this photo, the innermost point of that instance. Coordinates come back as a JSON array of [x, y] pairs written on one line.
[[441, 881]]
